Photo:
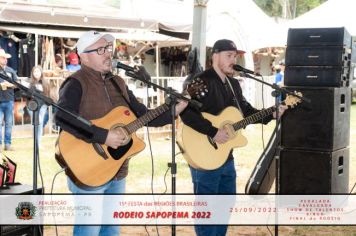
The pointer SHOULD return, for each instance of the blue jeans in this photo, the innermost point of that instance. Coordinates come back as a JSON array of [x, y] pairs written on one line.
[[112, 187], [41, 116], [219, 181], [46, 118], [6, 113]]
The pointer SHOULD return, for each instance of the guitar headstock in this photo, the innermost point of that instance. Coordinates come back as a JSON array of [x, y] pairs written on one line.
[[292, 101], [197, 88]]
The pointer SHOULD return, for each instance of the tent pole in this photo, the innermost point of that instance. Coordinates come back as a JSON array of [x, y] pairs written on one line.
[[199, 29], [157, 60]]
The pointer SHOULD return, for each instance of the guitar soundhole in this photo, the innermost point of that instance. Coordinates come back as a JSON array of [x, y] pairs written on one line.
[[120, 151]]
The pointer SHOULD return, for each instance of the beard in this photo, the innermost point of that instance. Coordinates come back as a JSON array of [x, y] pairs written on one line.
[[228, 71], [230, 74], [107, 65]]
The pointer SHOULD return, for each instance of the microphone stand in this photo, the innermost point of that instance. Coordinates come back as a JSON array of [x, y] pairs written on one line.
[[37, 99], [276, 93], [174, 96]]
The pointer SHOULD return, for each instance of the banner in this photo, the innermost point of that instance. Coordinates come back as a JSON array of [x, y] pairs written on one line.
[[178, 209]]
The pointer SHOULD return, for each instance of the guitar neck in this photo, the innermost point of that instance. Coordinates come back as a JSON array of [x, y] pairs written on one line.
[[143, 120], [253, 118]]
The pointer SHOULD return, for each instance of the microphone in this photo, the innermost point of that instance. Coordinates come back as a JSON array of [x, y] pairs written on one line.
[[117, 64], [244, 70], [137, 72]]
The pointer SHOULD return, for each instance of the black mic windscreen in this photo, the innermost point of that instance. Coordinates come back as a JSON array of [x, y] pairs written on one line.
[[120, 65]]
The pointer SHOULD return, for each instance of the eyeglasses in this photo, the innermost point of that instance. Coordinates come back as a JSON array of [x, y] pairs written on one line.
[[101, 50]]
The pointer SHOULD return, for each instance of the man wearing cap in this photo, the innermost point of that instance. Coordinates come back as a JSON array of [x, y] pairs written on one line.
[[73, 62], [6, 100], [223, 91], [92, 92]]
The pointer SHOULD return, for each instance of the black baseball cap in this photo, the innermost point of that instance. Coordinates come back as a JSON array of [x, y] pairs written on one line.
[[225, 45]]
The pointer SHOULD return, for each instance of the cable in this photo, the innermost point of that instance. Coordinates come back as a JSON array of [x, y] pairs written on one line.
[[149, 144], [263, 106], [165, 175], [54, 178], [152, 163], [40, 230], [152, 174], [352, 188], [39, 164], [40, 172], [147, 230], [263, 140], [164, 180], [270, 232]]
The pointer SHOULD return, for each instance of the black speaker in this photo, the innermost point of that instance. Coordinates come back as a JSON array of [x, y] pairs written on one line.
[[319, 37], [323, 124], [20, 230], [23, 189], [318, 56], [314, 172], [317, 76]]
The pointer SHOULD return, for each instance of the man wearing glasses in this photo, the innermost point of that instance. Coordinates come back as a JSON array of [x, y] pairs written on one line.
[[92, 92]]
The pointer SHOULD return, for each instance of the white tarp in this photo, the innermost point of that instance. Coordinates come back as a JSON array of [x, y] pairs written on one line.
[[239, 20], [243, 22], [332, 13], [136, 35]]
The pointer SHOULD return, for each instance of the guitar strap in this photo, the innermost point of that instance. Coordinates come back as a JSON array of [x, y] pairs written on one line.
[[117, 87], [235, 100]]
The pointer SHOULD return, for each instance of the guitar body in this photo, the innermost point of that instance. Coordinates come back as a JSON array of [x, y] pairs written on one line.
[[198, 150], [85, 165]]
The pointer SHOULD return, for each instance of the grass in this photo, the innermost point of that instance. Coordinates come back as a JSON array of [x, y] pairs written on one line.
[[139, 178]]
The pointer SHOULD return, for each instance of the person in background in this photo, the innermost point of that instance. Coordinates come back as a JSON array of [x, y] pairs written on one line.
[[59, 61], [279, 73], [223, 91], [92, 92], [73, 62], [279, 76], [36, 82], [6, 100], [60, 66]]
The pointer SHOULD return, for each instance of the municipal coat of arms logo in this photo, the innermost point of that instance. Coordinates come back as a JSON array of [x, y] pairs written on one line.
[[25, 211]]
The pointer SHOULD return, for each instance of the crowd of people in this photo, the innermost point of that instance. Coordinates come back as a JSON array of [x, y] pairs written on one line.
[[35, 81]]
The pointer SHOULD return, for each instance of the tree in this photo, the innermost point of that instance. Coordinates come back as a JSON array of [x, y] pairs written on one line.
[[306, 5], [270, 7], [287, 8]]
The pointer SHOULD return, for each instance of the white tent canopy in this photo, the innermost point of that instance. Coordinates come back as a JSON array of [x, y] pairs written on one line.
[[134, 35], [239, 20], [332, 13], [243, 22]]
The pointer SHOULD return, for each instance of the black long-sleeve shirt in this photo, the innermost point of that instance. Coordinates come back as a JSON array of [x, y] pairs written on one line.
[[218, 97]]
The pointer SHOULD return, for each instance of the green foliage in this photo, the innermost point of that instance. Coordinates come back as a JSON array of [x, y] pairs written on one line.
[[307, 5], [270, 7], [113, 3], [275, 7]]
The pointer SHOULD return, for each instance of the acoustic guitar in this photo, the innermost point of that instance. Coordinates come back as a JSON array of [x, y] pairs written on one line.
[[92, 164], [201, 152]]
